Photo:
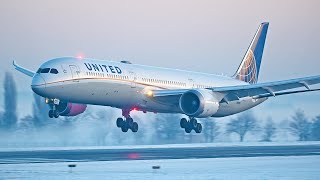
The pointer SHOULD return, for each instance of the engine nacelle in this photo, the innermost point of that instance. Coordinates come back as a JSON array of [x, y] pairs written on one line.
[[199, 103], [70, 109]]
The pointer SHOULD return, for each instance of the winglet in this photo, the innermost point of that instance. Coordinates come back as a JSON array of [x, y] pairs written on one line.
[[23, 70]]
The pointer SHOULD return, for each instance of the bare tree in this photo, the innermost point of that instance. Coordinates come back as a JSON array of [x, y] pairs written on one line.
[[315, 130], [300, 126], [167, 128], [10, 119], [243, 124], [269, 131], [211, 130]]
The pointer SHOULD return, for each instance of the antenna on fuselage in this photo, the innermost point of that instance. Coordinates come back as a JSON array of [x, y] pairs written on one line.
[[126, 62]]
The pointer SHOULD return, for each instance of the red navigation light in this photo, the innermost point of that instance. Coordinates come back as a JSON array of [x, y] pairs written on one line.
[[134, 109], [80, 56]]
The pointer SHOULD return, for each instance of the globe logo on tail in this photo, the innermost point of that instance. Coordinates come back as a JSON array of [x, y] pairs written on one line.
[[248, 70]]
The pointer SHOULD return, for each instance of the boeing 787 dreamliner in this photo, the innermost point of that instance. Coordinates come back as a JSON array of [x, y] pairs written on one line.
[[68, 84]]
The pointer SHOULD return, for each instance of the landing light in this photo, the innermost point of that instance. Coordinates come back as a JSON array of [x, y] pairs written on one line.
[[149, 93]]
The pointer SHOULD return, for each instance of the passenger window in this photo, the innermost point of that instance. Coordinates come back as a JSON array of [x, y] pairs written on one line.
[[45, 70], [54, 71]]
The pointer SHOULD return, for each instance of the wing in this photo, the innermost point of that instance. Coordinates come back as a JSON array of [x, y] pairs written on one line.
[[23, 70], [261, 90]]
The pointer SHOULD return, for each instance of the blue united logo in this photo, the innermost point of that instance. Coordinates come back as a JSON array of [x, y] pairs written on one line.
[[103, 68]]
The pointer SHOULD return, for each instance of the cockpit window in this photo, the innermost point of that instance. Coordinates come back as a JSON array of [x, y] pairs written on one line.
[[54, 71], [39, 70], [45, 70]]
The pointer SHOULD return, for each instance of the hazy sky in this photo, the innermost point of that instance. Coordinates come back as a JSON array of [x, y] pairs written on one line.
[[208, 36]]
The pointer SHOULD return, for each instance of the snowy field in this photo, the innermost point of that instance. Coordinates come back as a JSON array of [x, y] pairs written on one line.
[[289, 167]]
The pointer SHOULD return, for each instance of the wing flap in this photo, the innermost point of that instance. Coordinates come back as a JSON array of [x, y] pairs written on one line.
[[284, 93], [169, 92]]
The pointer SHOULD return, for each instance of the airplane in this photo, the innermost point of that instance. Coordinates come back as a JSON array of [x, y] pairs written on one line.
[[69, 84]]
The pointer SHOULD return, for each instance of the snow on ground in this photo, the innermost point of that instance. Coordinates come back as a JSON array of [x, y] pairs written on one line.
[[290, 167]]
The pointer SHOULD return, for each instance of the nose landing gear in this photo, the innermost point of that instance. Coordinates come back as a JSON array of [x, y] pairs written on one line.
[[53, 112], [128, 123], [190, 125]]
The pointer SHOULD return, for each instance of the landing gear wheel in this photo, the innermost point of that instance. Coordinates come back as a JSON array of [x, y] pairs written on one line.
[[120, 122], [188, 129], [124, 127], [56, 114], [129, 122], [183, 123], [51, 114], [190, 125], [193, 123], [198, 129], [135, 127]]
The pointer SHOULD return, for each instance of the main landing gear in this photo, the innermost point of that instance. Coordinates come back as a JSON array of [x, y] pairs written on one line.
[[190, 125], [127, 123], [53, 112]]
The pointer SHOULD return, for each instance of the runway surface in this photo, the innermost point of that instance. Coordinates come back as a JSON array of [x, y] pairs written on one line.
[[154, 153]]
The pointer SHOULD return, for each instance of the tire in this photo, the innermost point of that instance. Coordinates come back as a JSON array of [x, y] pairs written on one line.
[[50, 114], [198, 128], [129, 122], [56, 114], [187, 130], [193, 123], [183, 123], [135, 127], [120, 122], [124, 128]]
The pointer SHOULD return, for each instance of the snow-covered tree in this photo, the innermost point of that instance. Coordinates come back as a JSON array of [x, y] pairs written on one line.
[[243, 124], [167, 128], [269, 130], [315, 130], [9, 119], [300, 126], [210, 130]]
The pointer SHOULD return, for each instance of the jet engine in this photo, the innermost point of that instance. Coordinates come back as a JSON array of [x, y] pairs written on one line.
[[70, 109], [199, 103]]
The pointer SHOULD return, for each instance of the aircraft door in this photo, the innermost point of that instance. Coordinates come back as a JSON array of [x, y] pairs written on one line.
[[133, 79], [75, 72], [191, 83]]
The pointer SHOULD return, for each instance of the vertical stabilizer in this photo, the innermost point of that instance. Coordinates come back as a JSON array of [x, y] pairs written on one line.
[[248, 70]]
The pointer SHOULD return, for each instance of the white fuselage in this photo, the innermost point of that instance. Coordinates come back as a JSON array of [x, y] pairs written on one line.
[[123, 85]]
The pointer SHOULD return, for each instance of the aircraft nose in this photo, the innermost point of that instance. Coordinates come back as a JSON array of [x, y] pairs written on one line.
[[38, 84]]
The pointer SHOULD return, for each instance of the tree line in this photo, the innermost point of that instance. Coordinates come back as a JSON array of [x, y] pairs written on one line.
[[96, 126]]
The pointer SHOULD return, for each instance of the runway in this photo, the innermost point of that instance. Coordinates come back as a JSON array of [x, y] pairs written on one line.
[[153, 153]]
